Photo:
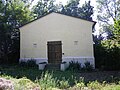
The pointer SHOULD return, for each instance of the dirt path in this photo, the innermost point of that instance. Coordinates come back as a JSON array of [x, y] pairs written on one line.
[[100, 76]]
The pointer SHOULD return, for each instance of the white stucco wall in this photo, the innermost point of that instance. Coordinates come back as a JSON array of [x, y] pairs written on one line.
[[57, 27]]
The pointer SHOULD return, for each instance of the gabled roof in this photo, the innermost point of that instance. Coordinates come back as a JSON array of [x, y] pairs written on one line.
[[57, 13]]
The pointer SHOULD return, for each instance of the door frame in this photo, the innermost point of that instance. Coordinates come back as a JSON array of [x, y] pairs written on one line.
[[54, 48]]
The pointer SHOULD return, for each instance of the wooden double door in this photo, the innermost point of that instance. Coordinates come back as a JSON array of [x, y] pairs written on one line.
[[54, 52]]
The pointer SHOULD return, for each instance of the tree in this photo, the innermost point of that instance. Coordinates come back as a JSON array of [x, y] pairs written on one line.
[[20, 13], [13, 13], [73, 9], [108, 10], [86, 11], [116, 31], [108, 51], [108, 14], [43, 7]]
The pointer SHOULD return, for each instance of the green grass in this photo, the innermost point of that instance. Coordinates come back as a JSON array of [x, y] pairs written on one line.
[[33, 73], [25, 76]]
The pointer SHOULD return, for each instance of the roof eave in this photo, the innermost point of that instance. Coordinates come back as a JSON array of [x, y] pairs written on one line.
[[57, 13]]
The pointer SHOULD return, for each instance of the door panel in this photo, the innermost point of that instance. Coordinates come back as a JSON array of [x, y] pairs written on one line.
[[54, 52]]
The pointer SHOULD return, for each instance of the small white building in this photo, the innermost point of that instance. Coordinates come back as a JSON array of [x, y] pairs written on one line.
[[55, 38]]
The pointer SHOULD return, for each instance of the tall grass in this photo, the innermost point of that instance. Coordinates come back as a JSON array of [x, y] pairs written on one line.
[[47, 81]]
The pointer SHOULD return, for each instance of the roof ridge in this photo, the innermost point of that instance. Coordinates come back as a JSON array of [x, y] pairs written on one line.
[[57, 13]]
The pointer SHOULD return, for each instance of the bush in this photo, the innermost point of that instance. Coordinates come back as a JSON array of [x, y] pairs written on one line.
[[107, 57], [23, 64], [47, 81], [29, 63], [25, 84], [87, 66], [74, 66], [94, 85], [80, 84], [63, 84]]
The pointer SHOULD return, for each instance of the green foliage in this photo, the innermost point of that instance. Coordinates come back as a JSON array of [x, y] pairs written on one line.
[[109, 44], [29, 64], [74, 66], [100, 59], [64, 84], [13, 13], [107, 53], [112, 47], [53, 80], [47, 81], [107, 56], [80, 84], [23, 64], [72, 8], [87, 66], [115, 79], [111, 87], [26, 84], [116, 32], [43, 7], [20, 12], [94, 85]]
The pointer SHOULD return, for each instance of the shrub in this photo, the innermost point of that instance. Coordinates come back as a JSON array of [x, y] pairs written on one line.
[[87, 66], [26, 84], [80, 84], [107, 57], [23, 64], [29, 63], [63, 84], [74, 66], [47, 81], [94, 85]]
